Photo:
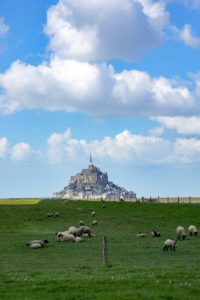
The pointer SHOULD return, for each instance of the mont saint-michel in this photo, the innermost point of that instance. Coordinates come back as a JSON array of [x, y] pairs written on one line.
[[92, 183]]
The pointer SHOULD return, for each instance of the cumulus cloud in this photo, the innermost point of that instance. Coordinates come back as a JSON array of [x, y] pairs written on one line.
[[105, 29], [72, 85], [125, 147], [82, 34], [3, 27], [187, 151], [3, 147], [182, 125], [187, 36], [20, 151]]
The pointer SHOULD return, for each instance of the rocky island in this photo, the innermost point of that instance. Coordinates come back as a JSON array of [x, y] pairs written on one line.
[[92, 183]]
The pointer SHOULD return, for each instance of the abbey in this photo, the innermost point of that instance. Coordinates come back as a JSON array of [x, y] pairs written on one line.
[[92, 183]]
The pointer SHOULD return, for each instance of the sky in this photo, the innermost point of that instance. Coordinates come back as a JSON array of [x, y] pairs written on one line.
[[117, 79]]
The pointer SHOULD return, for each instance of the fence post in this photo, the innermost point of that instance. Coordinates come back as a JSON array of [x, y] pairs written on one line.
[[178, 199], [105, 250], [190, 199]]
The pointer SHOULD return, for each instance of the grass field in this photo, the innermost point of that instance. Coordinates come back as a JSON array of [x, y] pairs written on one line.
[[137, 268]]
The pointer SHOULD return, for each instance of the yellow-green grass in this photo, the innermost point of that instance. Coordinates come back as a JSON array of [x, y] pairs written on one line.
[[19, 201]]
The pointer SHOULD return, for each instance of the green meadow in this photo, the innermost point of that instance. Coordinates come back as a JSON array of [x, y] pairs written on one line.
[[137, 267]]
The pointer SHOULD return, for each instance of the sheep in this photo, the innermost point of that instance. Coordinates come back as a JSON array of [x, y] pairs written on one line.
[[78, 239], [65, 237], [93, 213], [73, 230], [192, 230], [155, 233], [43, 243], [170, 245], [85, 230], [81, 223], [141, 234], [56, 214], [50, 214], [94, 223], [35, 246], [180, 231]]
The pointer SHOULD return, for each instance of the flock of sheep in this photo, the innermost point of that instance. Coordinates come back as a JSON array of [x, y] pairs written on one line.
[[181, 234], [77, 234], [73, 234], [170, 245]]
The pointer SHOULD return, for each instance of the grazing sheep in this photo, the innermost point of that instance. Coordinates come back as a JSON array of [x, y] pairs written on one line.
[[180, 231], [65, 237], [56, 214], [155, 233], [94, 223], [50, 214], [73, 230], [170, 245], [81, 223], [93, 213], [78, 239], [192, 230], [141, 234], [35, 246], [43, 243], [85, 230]]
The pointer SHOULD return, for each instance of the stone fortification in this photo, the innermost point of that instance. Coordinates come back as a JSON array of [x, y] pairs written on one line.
[[92, 183]]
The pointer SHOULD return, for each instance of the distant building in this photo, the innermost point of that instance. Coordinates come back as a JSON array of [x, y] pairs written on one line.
[[91, 183]]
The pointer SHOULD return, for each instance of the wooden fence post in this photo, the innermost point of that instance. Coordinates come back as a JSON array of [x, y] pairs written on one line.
[[105, 250]]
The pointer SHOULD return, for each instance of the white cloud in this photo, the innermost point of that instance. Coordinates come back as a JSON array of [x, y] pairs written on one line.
[[157, 131], [187, 151], [187, 36], [105, 29], [3, 27], [95, 30], [126, 148], [183, 125], [3, 147], [71, 85], [20, 151]]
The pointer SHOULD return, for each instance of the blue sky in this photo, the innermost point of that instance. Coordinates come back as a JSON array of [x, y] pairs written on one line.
[[118, 79]]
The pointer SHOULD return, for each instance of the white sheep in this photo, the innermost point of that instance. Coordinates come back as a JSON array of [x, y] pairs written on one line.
[[155, 233], [56, 214], [85, 230], [78, 239], [65, 237], [180, 231], [73, 230], [170, 245], [93, 213], [192, 230], [49, 214], [43, 243], [141, 234], [81, 223], [94, 223], [35, 246]]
